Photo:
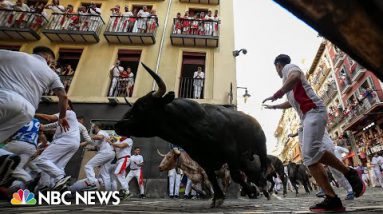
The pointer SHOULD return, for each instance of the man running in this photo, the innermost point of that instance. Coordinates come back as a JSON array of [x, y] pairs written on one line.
[[23, 79], [313, 115]]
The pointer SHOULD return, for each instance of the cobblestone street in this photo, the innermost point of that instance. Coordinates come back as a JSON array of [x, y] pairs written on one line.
[[371, 202]]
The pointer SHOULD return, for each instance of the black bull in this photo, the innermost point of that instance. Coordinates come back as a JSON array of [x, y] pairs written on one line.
[[299, 173], [211, 135]]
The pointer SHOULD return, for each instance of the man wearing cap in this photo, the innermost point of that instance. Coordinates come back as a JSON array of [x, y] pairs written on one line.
[[313, 115]]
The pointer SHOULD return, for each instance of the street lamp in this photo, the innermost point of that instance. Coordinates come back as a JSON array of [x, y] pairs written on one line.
[[237, 52], [246, 95]]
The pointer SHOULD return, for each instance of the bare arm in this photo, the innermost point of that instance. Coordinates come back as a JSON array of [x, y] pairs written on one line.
[[47, 117], [98, 137], [63, 103], [284, 105], [289, 84]]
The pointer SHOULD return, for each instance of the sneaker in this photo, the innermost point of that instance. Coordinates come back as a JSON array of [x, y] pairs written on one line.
[[329, 204], [320, 194], [171, 196], [61, 183], [356, 183], [176, 197], [90, 187], [142, 196], [349, 196]]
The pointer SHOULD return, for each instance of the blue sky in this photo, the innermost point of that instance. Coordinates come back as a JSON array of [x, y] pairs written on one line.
[[265, 29]]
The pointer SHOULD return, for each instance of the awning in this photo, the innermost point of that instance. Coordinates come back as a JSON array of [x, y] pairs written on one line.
[[355, 26]]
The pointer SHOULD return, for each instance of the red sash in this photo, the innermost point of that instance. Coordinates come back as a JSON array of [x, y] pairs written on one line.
[[124, 165], [141, 180]]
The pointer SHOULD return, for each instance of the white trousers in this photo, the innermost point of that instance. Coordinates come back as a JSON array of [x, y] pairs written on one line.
[[113, 86], [135, 173], [197, 92], [25, 151], [188, 188], [339, 177], [54, 158], [174, 182], [81, 185], [103, 160], [378, 175], [120, 173], [15, 112]]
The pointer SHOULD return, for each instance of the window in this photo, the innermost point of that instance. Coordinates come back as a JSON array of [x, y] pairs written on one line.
[[192, 82], [66, 66], [140, 7], [124, 75], [195, 11]]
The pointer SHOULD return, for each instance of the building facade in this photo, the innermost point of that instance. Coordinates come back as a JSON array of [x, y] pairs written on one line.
[[353, 97], [89, 36]]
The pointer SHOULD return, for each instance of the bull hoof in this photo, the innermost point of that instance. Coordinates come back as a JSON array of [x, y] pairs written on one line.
[[216, 202]]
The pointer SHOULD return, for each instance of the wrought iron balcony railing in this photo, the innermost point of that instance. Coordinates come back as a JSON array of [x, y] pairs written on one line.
[[20, 25], [131, 30], [123, 88], [195, 32], [191, 88], [74, 27]]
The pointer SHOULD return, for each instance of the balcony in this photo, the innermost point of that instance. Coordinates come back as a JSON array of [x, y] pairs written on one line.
[[339, 59], [364, 112], [329, 94], [123, 30], [201, 1], [358, 73], [195, 33], [124, 87], [191, 88], [22, 26], [74, 28]]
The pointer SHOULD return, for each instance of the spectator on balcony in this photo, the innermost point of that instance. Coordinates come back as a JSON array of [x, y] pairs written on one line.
[[208, 23], [152, 21], [95, 18], [5, 4], [55, 68], [132, 21], [84, 20], [68, 70], [216, 22], [178, 24], [21, 6], [40, 16], [126, 17], [368, 94], [201, 24], [198, 81], [67, 19], [55, 19], [114, 73], [115, 19], [186, 23], [127, 77], [195, 25], [141, 24], [19, 20]]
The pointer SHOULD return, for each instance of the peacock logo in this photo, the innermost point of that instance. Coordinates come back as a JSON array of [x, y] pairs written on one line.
[[23, 197]]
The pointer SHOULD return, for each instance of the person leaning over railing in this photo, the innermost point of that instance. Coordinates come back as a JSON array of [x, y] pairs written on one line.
[[186, 23], [140, 25], [177, 28], [115, 18], [152, 21], [56, 10], [124, 26], [95, 19]]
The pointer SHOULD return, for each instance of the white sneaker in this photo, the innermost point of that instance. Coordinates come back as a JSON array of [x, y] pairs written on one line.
[[60, 183]]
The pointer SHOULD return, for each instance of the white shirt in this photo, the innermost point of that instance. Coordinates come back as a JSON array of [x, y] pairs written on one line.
[[103, 145], [84, 133], [95, 11], [302, 97], [127, 14], [134, 160], [376, 161], [6, 5], [73, 131], [198, 78], [340, 151], [23, 7], [117, 70], [57, 8], [142, 13], [123, 152], [26, 74]]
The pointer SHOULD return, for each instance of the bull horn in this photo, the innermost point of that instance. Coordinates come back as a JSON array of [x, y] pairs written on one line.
[[161, 85], [127, 102], [176, 150], [162, 155]]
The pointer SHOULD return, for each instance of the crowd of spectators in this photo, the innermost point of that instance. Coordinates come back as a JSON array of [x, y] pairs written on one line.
[[197, 23], [143, 20]]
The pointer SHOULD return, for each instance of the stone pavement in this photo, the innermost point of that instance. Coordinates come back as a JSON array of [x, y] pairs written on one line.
[[371, 202]]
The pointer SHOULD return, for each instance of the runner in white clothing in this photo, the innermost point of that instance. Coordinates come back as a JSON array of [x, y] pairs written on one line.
[[23, 79], [123, 148], [376, 161], [136, 162], [103, 159], [313, 115], [53, 159]]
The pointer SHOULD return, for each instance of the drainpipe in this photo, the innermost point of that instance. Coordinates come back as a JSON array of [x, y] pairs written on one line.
[[162, 41]]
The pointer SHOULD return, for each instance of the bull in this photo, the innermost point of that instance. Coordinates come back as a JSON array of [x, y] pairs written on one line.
[[275, 167], [299, 173], [180, 159], [212, 135]]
